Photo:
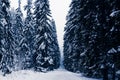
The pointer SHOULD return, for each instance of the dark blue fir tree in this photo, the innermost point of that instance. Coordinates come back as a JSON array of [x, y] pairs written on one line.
[[72, 37], [91, 30], [28, 39], [19, 54], [54, 49], [44, 51], [6, 42]]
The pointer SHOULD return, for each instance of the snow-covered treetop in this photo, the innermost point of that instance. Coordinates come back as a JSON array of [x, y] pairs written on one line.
[[19, 3], [18, 10], [28, 7]]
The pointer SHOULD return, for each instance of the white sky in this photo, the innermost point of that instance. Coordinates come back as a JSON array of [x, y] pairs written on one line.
[[59, 10]]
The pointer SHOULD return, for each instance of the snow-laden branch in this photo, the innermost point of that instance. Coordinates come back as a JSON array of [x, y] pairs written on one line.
[[115, 13]]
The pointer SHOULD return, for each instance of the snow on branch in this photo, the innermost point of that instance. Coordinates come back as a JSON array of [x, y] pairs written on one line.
[[115, 13]]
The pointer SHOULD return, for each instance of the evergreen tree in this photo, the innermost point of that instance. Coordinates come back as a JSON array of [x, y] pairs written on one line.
[[28, 36], [13, 18], [114, 35], [44, 59], [96, 35], [6, 40], [98, 24], [1, 29], [72, 37], [54, 44], [13, 25], [19, 54]]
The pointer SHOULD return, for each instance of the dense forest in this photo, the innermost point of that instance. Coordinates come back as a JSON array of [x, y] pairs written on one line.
[[91, 38], [30, 42]]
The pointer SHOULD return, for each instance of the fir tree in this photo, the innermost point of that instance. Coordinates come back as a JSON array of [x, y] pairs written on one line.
[[28, 36], [72, 37], [19, 54], [54, 44], [13, 18], [99, 37], [44, 58], [6, 40], [1, 30], [95, 30]]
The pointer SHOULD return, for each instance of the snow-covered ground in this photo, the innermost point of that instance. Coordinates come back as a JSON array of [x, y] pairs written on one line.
[[59, 74]]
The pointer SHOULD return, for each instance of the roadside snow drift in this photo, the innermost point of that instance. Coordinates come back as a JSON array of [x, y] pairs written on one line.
[[59, 74]]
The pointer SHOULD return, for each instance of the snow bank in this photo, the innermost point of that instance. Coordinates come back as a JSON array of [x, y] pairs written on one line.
[[59, 74]]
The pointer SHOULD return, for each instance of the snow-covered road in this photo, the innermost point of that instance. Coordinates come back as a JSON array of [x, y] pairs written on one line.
[[59, 74]]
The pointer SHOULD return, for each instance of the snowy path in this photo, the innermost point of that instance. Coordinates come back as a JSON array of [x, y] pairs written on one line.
[[59, 74]]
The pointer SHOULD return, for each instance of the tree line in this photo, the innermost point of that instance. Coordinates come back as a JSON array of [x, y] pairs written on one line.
[[30, 42], [92, 37]]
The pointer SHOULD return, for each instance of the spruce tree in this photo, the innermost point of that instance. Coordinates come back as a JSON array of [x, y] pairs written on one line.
[[28, 33], [44, 59], [114, 35], [72, 37], [99, 37], [1, 29], [98, 33], [7, 37], [19, 54], [55, 52]]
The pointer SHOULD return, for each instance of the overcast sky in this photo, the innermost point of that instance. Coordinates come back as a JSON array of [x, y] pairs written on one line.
[[59, 10]]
